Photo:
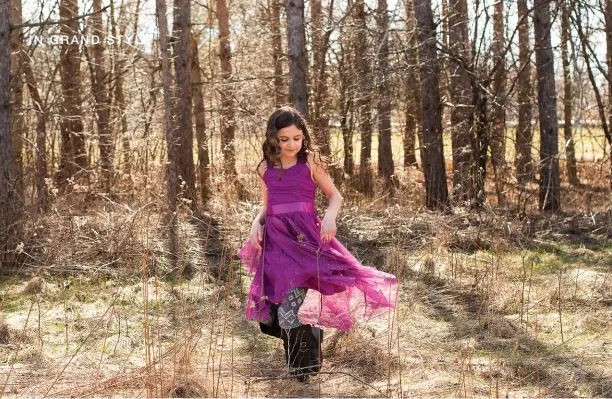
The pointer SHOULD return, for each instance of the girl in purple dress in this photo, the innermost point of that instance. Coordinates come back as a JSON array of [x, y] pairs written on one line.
[[303, 276]]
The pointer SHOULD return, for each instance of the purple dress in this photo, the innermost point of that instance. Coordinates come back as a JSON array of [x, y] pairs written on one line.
[[341, 291]]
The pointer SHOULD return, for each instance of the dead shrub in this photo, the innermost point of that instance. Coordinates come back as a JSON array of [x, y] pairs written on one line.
[[187, 388], [35, 286]]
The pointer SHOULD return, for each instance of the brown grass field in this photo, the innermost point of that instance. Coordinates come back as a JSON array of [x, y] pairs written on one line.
[[494, 303]]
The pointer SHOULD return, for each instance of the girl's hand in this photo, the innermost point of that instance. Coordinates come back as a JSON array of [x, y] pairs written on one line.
[[328, 229], [256, 235]]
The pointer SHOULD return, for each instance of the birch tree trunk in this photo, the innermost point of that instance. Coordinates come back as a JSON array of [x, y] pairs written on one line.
[[436, 190], [298, 61], [550, 193], [524, 131]]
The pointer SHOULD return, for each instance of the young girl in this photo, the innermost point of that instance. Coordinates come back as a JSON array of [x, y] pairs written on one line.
[[304, 276]]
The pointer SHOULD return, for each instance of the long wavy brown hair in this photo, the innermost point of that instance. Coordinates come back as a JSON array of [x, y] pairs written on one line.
[[281, 118]]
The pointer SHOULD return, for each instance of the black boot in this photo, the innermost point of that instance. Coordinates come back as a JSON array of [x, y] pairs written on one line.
[[316, 353], [298, 345]]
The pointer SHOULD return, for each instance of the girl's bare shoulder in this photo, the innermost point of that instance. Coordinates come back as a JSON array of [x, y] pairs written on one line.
[[262, 167]]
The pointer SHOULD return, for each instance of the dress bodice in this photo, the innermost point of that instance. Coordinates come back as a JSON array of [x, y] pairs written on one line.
[[293, 184]]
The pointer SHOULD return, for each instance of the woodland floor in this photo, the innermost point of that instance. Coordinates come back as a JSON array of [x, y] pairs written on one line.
[[501, 302]]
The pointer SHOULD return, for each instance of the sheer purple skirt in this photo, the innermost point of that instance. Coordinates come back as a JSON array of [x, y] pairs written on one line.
[[341, 291]]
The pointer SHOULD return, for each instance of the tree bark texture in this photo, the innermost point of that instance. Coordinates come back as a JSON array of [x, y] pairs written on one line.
[[172, 179], [274, 8], [200, 124], [73, 138], [413, 100], [41, 134], [298, 62], [550, 193], [17, 111], [498, 114], [8, 199], [461, 98], [385, 154], [436, 190], [182, 71], [100, 92], [570, 152], [524, 130], [364, 102], [320, 45]]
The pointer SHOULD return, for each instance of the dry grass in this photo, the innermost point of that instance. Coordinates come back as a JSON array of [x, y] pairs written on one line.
[[96, 311]]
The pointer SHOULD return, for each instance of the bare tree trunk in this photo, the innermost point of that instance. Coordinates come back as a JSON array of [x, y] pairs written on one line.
[[73, 138], [364, 102], [412, 89], [172, 180], [200, 124], [182, 70], [41, 135], [550, 193], [8, 198], [436, 189], [274, 7], [298, 61], [100, 92], [120, 104], [228, 124], [608, 20], [461, 97], [498, 117], [320, 45], [346, 72], [524, 132], [17, 116], [570, 152], [386, 165]]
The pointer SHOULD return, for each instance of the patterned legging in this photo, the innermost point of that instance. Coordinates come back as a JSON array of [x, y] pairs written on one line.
[[288, 309]]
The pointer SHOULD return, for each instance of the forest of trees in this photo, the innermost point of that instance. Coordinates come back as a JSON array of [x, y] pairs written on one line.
[[497, 80]]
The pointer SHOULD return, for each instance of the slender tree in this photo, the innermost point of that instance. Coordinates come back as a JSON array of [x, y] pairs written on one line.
[[73, 138], [182, 70], [608, 21], [364, 101], [385, 155], [41, 133], [568, 98], [498, 114], [524, 131], [274, 8], [17, 116], [436, 190], [199, 114], [320, 45], [413, 100], [171, 173], [100, 92], [298, 61], [8, 198], [550, 193], [461, 97]]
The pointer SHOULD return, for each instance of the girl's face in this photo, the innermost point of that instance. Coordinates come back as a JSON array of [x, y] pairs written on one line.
[[290, 140]]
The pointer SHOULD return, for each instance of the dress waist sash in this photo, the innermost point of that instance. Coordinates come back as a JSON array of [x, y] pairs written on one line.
[[291, 207]]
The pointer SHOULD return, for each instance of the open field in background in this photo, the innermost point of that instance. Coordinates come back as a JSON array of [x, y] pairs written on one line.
[[491, 304]]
